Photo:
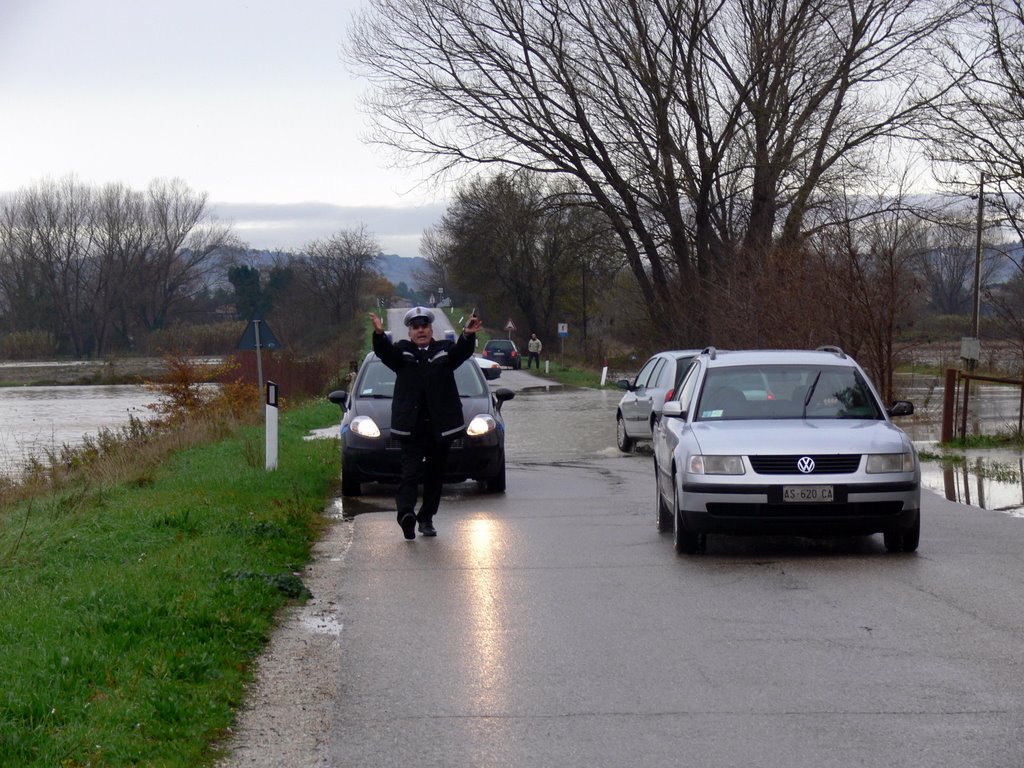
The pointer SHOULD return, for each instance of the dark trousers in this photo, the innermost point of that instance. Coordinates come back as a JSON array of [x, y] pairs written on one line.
[[423, 460], [534, 357]]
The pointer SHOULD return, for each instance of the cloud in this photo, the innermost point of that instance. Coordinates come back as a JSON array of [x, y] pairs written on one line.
[[289, 226]]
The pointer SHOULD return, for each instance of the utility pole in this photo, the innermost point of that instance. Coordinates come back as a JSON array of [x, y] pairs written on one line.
[[977, 260], [970, 348]]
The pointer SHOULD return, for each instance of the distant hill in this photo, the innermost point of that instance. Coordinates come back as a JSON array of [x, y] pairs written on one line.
[[400, 269], [397, 269]]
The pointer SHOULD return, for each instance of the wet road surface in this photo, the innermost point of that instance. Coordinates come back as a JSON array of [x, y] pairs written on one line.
[[554, 626]]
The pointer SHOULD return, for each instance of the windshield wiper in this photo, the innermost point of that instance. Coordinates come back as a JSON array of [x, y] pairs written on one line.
[[810, 393]]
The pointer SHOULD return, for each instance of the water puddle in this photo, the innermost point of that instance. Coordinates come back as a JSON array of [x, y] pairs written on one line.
[[987, 478]]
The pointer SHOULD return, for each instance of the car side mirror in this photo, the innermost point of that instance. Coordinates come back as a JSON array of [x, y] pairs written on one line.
[[623, 384], [673, 409], [339, 397], [502, 395], [901, 408], [491, 373]]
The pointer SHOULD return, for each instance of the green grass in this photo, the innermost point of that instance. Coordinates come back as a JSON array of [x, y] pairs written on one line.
[[981, 467], [130, 615], [999, 440], [574, 376]]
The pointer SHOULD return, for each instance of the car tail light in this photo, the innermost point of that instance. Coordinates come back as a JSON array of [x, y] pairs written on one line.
[[668, 395], [512, 353]]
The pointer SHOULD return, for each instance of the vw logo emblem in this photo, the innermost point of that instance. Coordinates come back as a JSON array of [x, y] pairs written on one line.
[[805, 464]]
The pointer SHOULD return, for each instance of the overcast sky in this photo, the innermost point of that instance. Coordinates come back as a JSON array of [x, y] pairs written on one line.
[[246, 100]]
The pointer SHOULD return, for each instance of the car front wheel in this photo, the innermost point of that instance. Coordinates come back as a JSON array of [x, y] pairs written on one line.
[[624, 441], [350, 485], [664, 514], [496, 484], [686, 543], [904, 539]]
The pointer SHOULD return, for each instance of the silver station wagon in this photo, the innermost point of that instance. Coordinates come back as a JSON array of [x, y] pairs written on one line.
[[784, 442]]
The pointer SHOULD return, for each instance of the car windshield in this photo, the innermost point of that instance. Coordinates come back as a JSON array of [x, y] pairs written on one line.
[[502, 345], [378, 380], [785, 392]]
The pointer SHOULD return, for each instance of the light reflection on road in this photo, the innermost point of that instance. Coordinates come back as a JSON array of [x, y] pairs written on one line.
[[490, 657]]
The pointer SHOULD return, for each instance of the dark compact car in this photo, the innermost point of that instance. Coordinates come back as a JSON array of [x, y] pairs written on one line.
[[790, 442], [370, 454], [655, 384], [504, 352]]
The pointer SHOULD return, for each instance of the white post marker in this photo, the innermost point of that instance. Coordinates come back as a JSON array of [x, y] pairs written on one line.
[[604, 373], [271, 425]]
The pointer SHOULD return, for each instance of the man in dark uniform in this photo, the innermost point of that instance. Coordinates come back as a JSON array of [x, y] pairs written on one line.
[[426, 411]]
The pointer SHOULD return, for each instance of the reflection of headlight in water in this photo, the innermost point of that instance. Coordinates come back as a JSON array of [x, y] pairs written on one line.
[[365, 426], [481, 425], [487, 663]]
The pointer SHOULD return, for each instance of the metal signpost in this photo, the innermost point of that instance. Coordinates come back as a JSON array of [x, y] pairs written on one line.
[[257, 335]]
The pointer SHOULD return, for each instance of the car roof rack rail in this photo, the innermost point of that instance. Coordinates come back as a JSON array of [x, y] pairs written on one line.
[[833, 349], [710, 352]]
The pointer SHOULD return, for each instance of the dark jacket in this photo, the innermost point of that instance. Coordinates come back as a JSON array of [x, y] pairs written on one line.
[[425, 377]]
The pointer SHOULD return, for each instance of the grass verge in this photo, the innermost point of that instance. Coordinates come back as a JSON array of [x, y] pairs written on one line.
[[131, 612]]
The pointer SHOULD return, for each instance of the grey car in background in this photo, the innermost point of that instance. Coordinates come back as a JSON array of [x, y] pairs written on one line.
[[784, 442], [656, 383]]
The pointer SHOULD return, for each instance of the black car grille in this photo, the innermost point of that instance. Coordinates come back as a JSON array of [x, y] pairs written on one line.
[[823, 465], [394, 444], [805, 511]]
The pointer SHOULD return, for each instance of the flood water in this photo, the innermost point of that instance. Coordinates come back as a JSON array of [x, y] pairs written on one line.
[[986, 478], [34, 420]]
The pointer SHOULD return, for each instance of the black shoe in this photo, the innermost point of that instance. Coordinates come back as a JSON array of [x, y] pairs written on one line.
[[427, 529], [408, 523]]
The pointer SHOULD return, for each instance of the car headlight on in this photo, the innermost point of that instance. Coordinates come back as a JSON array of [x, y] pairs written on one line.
[[365, 426], [716, 465], [481, 425], [890, 462]]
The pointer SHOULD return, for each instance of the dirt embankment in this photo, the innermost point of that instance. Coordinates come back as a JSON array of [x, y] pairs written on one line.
[[126, 370]]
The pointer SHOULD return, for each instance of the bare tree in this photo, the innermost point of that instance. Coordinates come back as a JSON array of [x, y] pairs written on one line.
[[122, 240], [27, 305], [947, 266], [875, 291], [185, 239], [705, 131], [519, 241], [337, 271], [58, 221], [980, 125], [85, 263]]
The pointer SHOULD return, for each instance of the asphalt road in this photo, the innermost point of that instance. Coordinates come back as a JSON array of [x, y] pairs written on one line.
[[554, 626]]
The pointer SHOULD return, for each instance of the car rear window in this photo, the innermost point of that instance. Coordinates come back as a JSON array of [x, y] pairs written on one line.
[[786, 392]]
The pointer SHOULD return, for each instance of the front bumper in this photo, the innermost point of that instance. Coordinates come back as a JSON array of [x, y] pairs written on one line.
[[859, 508], [470, 458]]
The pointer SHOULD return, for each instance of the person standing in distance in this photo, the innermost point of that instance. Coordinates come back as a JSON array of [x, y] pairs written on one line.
[[533, 346], [426, 411]]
